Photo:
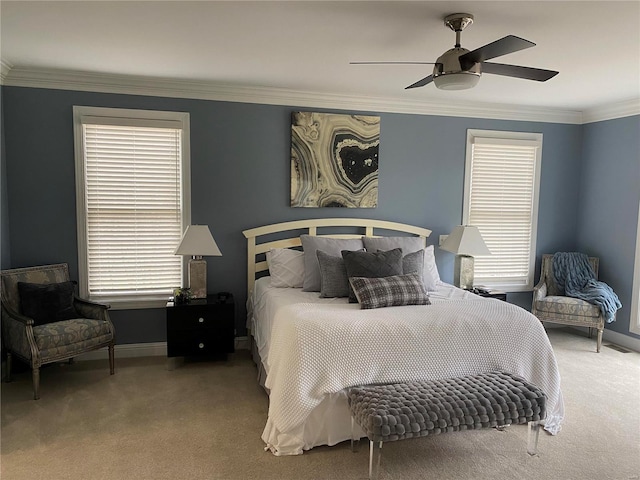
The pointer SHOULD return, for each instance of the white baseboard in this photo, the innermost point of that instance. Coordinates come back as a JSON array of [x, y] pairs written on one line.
[[242, 343], [626, 341], [130, 350], [159, 349], [156, 349]]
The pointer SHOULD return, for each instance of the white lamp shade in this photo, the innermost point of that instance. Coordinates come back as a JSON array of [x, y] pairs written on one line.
[[456, 81], [198, 241], [465, 240]]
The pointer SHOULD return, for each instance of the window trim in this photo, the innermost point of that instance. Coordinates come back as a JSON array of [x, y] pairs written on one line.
[[634, 320], [123, 116], [520, 137]]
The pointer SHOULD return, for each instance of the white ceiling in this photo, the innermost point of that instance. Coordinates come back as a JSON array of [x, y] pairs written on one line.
[[306, 46]]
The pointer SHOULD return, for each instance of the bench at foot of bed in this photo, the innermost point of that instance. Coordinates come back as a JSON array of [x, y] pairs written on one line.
[[409, 410]]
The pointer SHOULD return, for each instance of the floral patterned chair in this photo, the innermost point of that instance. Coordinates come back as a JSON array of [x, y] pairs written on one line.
[[550, 304], [43, 321]]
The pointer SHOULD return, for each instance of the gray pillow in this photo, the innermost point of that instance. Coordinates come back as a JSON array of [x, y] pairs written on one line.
[[333, 276], [407, 244], [332, 246], [413, 263], [394, 291], [371, 265]]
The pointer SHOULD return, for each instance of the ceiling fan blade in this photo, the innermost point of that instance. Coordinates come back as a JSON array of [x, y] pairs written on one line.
[[505, 45], [527, 73], [391, 63], [421, 83]]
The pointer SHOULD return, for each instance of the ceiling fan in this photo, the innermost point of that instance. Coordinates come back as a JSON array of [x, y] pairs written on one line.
[[460, 69]]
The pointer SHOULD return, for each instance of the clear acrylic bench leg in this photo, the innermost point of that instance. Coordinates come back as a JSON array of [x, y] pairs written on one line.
[[375, 453], [534, 433], [355, 442]]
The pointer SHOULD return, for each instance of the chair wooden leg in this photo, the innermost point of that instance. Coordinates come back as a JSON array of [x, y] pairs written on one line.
[[9, 365], [599, 342], [590, 332], [36, 383], [112, 362]]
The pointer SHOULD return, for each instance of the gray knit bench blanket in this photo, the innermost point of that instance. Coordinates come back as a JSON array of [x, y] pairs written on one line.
[[407, 410], [416, 409]]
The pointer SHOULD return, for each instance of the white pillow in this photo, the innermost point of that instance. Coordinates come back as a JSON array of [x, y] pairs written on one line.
[[431, 276], [286, 267]]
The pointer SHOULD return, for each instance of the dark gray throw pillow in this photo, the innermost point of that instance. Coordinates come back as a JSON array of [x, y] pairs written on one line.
[[371, 265], [413, 263], [48, 302], [333, 276]]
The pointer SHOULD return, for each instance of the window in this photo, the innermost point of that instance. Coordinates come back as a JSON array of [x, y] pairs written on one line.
[[132, 196], [502, 176]]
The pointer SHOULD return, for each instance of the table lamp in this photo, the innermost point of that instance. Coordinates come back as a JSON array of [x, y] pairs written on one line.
[[197, 241], [465, 241]]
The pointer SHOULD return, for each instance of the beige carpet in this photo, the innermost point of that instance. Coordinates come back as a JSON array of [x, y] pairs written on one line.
[[203, 420]]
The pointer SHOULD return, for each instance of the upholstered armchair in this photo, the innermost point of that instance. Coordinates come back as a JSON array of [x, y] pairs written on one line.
[[44, 321], [550, 304]]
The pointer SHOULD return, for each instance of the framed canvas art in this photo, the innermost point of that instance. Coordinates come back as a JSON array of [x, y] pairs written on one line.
[[334, 160]]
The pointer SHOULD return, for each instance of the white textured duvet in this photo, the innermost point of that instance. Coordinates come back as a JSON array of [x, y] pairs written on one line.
[[312, 351]]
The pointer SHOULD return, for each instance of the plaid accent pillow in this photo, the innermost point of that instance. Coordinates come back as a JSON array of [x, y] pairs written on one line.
[[393, 291]]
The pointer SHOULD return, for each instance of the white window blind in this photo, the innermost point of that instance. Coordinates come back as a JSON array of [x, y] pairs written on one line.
[[501, 188], [132, 207]]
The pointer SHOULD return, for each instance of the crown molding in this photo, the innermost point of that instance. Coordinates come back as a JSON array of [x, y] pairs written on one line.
[[177, 88], [622, 109]]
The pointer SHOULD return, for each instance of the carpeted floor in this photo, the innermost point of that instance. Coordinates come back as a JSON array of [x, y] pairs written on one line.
[[203, 420]]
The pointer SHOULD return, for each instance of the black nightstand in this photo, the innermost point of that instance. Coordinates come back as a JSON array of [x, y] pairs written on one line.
[[201, 328]]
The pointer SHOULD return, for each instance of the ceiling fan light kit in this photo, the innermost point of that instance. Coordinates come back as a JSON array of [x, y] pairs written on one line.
[[460, 69], [456, 80], [447, 74]]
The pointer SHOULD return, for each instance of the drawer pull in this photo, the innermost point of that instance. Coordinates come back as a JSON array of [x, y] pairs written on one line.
[[201, 320], [201, 345]]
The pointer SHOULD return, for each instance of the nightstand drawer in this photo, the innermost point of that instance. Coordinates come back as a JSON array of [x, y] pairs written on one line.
[[198, 316], [192, 343]]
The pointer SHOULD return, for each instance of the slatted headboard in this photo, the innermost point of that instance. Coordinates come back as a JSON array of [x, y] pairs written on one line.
[[361, 226]]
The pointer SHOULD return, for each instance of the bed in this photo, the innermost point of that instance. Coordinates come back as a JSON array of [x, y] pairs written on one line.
[[310, 349]]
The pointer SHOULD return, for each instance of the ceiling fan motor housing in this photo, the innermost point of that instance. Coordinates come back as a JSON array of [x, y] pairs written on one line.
[[448, 74]]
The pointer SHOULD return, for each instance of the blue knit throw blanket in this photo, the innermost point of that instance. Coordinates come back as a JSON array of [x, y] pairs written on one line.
[[573, 272]]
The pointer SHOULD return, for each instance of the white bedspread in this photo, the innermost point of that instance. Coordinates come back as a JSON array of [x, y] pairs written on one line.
[[316, 350]]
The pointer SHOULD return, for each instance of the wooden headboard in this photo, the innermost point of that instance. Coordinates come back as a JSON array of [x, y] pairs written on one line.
[[361, 226]]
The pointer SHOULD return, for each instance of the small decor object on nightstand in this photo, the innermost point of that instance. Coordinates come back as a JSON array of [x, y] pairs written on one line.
[[181, 295], [489, 293]]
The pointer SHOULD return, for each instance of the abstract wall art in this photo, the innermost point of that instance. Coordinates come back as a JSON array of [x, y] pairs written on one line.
[[334, 160]]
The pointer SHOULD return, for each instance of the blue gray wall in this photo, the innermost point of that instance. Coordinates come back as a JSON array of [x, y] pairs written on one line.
[[5, 251], [608, 208], [240, 156]]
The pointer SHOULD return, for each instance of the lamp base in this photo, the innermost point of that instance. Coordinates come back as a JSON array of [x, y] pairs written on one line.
[[463, 272], [198, 278]]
